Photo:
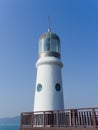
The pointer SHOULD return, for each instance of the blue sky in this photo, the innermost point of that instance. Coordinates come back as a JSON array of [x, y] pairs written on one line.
[[21, 24]]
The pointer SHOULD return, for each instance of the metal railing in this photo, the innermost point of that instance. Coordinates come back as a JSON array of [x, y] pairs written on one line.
[[83, 118]]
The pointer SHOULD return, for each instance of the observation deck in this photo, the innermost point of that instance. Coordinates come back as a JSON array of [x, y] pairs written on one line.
[[68, 119]]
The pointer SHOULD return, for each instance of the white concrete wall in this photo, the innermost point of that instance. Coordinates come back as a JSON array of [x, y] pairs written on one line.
[[49, 74]]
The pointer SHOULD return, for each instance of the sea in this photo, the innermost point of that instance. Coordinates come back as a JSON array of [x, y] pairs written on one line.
[[9, 127]]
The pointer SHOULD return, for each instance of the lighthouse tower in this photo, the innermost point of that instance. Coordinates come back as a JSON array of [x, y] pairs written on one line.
[[49, 88]]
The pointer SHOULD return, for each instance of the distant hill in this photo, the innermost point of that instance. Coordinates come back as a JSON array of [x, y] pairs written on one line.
[[13, 120]]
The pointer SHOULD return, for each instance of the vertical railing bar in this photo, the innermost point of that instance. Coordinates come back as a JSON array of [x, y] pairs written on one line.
[[87, 119], [32, 119], [52, 118], [84, 119], [79, 119], [44, 119], [70, 118], [97, 118], [94, 117], [65, 119], [58, 118], [73, 113], [90, 117], [21, 120]]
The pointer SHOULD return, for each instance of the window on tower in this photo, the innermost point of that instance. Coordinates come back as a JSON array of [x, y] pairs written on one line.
[[55, 45], [39, 87], [58, 87], [47, 44], [41, 46]]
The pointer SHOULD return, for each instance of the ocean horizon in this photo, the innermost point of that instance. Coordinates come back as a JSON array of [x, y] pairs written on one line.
[[9, 127]]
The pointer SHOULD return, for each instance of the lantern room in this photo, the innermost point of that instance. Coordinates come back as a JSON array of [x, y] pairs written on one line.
[[49, 45]]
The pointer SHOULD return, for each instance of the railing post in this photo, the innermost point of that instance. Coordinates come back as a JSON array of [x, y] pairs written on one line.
[[52, 119], [32, 119], [94, 117], [58, 122], [21, 116], [84, 120], [73, 114], [44, 119]]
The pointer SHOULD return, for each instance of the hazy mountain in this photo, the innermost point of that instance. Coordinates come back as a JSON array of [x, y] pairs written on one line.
[[13, 120]]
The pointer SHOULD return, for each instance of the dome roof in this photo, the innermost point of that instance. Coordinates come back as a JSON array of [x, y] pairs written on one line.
[[50, 34]]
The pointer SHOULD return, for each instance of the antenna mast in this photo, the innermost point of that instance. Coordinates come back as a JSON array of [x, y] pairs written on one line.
[[49, 29]]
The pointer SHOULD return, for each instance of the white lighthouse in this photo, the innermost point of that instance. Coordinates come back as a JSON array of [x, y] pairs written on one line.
[[49, 88]]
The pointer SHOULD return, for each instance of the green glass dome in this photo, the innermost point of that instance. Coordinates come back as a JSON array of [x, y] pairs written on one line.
[[50, 34]]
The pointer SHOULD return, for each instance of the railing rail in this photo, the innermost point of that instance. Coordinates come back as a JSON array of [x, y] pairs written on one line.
[[84, 117]]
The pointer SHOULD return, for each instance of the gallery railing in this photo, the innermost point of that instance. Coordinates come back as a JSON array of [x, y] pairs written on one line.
[[85, 117]]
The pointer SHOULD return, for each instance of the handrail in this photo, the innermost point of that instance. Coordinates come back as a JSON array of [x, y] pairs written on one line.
[[81, 117]]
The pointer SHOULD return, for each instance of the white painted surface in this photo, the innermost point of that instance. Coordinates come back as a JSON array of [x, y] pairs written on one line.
[[49, 74]]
